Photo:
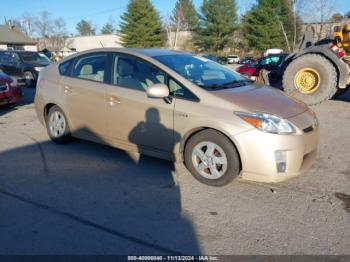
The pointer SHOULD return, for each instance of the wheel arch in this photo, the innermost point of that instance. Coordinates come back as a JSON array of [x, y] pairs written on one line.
[[196, 130]]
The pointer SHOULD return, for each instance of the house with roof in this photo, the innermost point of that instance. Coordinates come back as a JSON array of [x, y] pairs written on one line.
[[12, 38]]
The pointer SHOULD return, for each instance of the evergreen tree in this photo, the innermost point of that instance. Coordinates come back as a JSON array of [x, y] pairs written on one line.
[[185, 14], [85, 28], [141, 25], [269, 23], [217, 24], [107, 29]]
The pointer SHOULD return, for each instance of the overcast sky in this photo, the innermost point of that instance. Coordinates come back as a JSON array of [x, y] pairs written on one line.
[[99, 11]]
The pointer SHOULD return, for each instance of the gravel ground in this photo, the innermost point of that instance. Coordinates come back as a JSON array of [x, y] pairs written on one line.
[[85, 198]]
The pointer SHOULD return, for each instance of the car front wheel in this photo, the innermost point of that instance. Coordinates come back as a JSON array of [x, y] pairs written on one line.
[[212, 158]]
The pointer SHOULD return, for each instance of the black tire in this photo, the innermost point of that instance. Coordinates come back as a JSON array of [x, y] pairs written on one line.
[[29, 79], [65, 136], [328, 79], [233, 161]]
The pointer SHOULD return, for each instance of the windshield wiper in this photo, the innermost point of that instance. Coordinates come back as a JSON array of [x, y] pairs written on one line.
[[235, 83]]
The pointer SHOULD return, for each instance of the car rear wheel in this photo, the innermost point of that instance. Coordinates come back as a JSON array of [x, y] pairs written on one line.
[[57, 126], [212, 158]]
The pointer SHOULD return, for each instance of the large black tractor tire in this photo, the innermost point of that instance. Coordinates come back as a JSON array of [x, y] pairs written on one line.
[[316, 66]]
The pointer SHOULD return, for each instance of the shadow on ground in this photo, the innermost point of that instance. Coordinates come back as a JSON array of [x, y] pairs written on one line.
[[86, 198]]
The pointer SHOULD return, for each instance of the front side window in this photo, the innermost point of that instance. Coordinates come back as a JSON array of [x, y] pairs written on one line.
[[203, 72], [134, 73], [33, 57], [9, 58], [91, 67], [179, 91]]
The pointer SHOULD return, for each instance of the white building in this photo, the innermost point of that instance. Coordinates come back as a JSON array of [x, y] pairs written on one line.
[[12, 38], [82, 43]]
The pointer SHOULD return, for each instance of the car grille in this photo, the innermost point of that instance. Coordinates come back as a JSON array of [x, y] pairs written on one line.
[[4, 88]]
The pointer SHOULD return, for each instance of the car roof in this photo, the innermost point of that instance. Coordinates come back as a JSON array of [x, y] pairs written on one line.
[[17, 51], [152, 52]]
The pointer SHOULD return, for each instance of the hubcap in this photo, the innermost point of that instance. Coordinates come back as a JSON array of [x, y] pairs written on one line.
[[57, 124], [209, 160], [307, 80]]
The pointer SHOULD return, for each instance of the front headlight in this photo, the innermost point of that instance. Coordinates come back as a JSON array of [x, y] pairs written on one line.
[[38, 69], [268, 123]]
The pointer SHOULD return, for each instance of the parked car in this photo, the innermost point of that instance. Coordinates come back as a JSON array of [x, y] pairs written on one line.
[[218, 59], [247, 60], [269, 63], [23, 64], [273, 51], [10, 92], [233, 59], [180, 107]]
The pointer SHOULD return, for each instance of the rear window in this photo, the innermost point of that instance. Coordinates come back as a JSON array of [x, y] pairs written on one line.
[[64, 67]]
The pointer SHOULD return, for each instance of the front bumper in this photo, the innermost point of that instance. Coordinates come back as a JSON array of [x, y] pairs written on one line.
[[12, 96], [257, 150]]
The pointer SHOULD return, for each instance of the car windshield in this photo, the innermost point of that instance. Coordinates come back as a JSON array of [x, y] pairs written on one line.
[[32, 57], [203, 72]]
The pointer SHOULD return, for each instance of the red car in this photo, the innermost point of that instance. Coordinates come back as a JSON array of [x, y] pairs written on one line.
[[10, 93], [270, 62]]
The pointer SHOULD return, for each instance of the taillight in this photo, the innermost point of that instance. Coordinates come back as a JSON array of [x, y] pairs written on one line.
[[339, 51]]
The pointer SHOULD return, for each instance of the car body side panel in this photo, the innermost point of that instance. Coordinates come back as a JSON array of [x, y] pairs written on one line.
[[85, 102], [190, 117], [136, 119]]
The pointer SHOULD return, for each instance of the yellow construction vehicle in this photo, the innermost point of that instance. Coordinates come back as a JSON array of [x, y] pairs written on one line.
[[318, 71], [342, 37]]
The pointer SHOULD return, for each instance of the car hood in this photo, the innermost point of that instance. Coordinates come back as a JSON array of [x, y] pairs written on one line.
[[264, 99]]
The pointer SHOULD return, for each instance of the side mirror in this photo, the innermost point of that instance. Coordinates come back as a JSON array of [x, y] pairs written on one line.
[[157, 91]]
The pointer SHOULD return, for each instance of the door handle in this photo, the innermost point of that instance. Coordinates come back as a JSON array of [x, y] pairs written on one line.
[[67, 89], [114, 100]]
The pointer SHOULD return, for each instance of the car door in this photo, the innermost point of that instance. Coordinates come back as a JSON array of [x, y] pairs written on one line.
[[7, 63], [133, 118], [84, 94], [16, 69]]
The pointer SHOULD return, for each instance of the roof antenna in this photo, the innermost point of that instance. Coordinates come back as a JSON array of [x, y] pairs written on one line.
[[102, 44]]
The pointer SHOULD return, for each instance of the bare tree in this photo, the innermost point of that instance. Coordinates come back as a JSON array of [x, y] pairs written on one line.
[[285, 35], [319, 12], [179, 23], [43, 24], [25, 23], [168, 29]]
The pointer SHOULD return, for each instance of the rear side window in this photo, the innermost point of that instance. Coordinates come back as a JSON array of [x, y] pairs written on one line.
[[134, 73], [64, 68], [91, 67]]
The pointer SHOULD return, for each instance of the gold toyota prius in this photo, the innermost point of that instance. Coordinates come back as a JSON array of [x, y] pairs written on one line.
[[179, 107]]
